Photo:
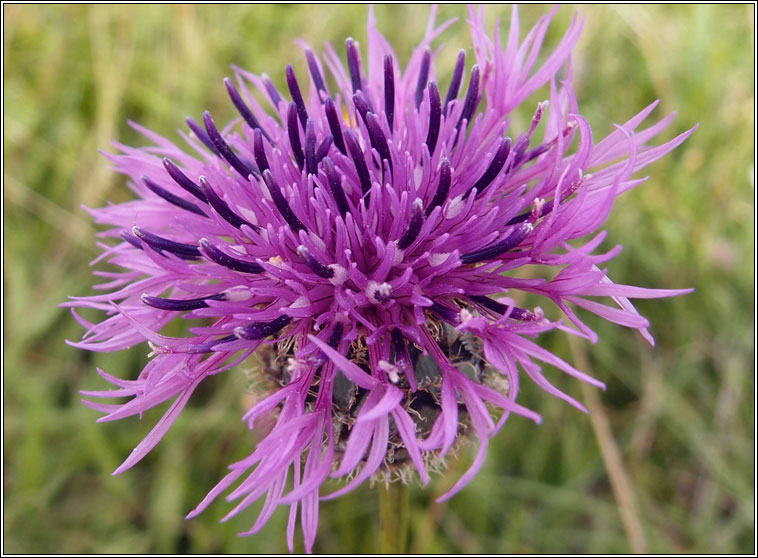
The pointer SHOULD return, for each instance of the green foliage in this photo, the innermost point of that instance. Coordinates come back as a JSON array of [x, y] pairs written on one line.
[[681, 413]]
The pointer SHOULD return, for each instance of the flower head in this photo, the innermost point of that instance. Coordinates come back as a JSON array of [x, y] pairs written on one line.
[[356, 236]]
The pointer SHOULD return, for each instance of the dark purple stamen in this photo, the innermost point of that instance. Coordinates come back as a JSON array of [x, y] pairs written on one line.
[[216, 255], [196, 348], [297, 97], [330, 108], [423, 77], [180, 305], [273, 94], [511, 241], [389, 91], [533, 215], [519, 150], [242, 107], [443, 188], [334, 339], [259, 151], [181, 179], [318, 81], [496, 165], [315, 266], [378, 140], [160, 244], [435, 115], [524, 216], [414, 226], [472, 98], [546, 207], [353, 64], [310, 147], [536, 152], [359, 161], [323, 148], [224, 149], [336, 336], [171, 198], [281, 203], [401, 349], [201, 135], [261, 330], [131, 239], [455, 83], [403, 359], [294, 135], [515, 312], [361, 106], [335, 186], [222, 208], [449, 315]]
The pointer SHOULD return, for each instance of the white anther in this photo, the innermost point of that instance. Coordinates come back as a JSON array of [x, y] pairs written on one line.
[[391, 370], [378, 293], [438, 259], [301, 302], [155, 349], [539, 203], [454, 207], [340, 274], [238, 293]]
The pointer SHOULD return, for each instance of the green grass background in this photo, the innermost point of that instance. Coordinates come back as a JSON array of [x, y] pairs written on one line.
[[665, 463]]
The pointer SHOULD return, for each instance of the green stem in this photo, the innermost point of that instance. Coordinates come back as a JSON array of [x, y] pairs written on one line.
[[393, 518]]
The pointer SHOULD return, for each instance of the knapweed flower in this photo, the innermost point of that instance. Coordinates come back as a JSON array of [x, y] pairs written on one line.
[[356, 236]]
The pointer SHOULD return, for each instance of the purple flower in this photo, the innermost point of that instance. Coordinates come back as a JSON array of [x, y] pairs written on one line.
[[358, 241]]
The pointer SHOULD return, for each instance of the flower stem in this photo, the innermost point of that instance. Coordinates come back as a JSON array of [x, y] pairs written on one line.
[[393, 518], [623, 488]]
